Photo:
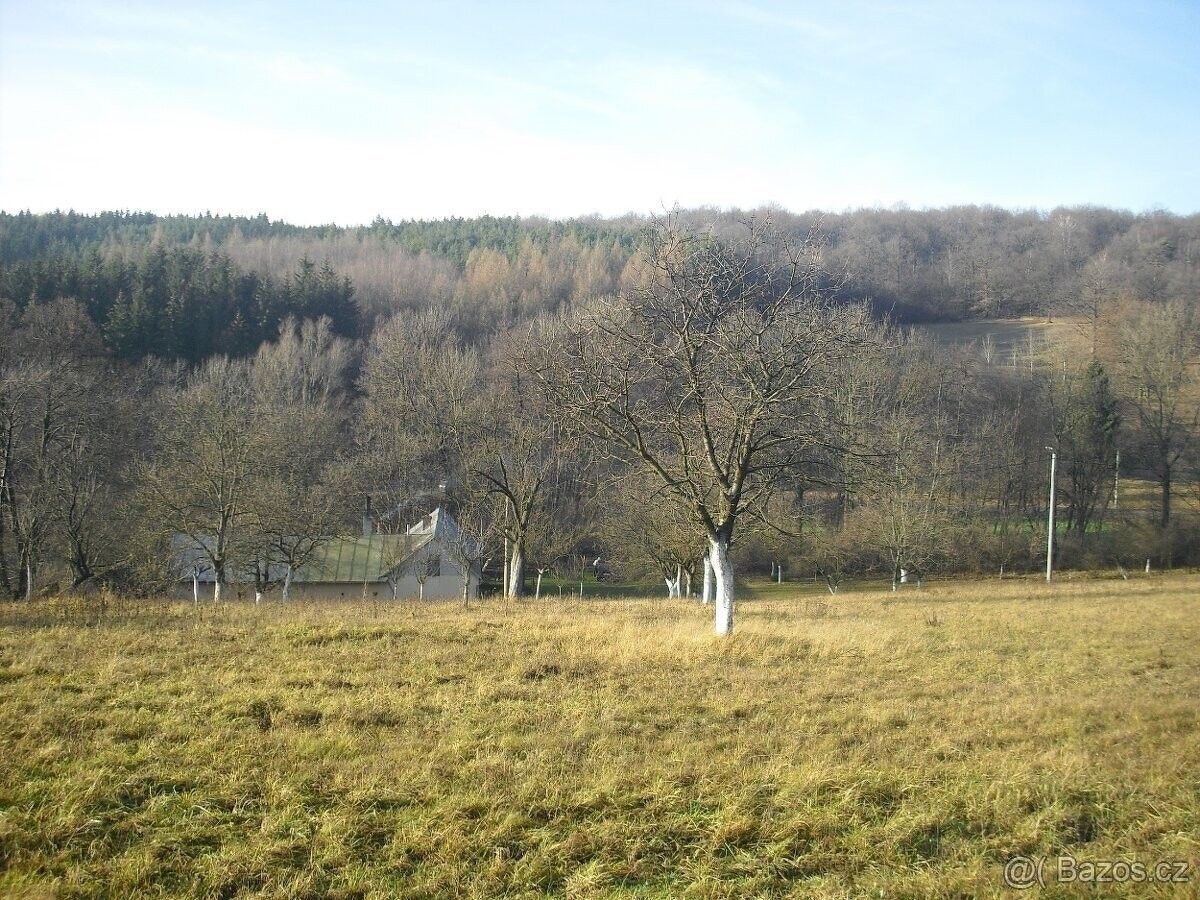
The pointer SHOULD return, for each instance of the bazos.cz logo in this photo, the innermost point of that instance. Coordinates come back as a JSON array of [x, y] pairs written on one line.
[[1023, 872]]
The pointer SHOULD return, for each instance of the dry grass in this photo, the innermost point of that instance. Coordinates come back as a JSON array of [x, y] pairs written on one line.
[[870, 744]]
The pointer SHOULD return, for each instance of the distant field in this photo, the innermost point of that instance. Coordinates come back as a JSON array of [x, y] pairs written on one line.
[[875, 744], [1007, 335]]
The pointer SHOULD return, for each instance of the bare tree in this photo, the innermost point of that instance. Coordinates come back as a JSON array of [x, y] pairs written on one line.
[[471, 537], [294, 501], [650, 536], [208, 455], [1159, 344], [710, 376], [60, 418], [521, 455]]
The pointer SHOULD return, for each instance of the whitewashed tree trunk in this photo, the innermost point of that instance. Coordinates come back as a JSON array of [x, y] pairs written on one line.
[[779, 574], [537, 588], [195, 587], [516, 571], [29, 578], [723, 582], [257, 596], [1147, 567], [286, 593], [217, 590], [687, 584], [420, 590], [706, 595]]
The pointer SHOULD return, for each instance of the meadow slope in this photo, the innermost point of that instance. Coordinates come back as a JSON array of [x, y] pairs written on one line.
[[873, 744]]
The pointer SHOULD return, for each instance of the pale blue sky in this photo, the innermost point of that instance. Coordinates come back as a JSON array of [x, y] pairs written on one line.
[[342, 111]]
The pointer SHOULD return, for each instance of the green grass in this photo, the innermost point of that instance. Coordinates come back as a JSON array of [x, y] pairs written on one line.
[[866, 745]]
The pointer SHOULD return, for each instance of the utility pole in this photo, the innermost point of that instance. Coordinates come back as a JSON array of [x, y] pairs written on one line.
[[1050, 526]]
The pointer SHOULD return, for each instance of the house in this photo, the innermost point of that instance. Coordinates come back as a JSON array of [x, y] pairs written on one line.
[[433, 559]]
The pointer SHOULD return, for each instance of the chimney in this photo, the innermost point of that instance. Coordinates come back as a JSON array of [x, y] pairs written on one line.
[[368, 520]]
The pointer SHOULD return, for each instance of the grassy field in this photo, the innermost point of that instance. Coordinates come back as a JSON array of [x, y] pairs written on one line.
[[1006, 335], [868, 745]]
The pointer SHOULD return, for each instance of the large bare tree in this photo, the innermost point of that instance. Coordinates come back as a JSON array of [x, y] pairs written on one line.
[[1160, 365], [207, 458], [711, 375]]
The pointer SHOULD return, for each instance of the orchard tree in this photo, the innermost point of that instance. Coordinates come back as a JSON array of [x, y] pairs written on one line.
[[649, 535], [208, 456], [522, 455], [710, 376]]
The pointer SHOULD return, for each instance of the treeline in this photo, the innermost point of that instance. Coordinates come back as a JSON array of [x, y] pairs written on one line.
[[490, 272], [728, 409], [182, 302]]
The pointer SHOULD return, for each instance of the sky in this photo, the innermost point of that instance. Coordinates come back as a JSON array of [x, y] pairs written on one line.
[[344, 111]]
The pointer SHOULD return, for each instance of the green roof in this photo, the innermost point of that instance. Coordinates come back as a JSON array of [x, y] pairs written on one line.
[[360, 559]]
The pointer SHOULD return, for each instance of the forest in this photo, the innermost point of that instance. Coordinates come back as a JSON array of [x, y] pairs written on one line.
[[682, 396]]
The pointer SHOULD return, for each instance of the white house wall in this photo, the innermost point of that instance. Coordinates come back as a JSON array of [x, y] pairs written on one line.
[[437, 587]]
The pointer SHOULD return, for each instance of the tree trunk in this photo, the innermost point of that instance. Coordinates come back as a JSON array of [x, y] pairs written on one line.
[[723, 578], [287, 584], [537, 590], [257, 595], [1165, 513], [217, 590], [28, 579], [420, 590], [516, 571], [706, 594], [195, 588], [687, 584]]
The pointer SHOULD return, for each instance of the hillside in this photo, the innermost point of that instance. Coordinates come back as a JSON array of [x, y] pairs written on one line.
[[928, 265]]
